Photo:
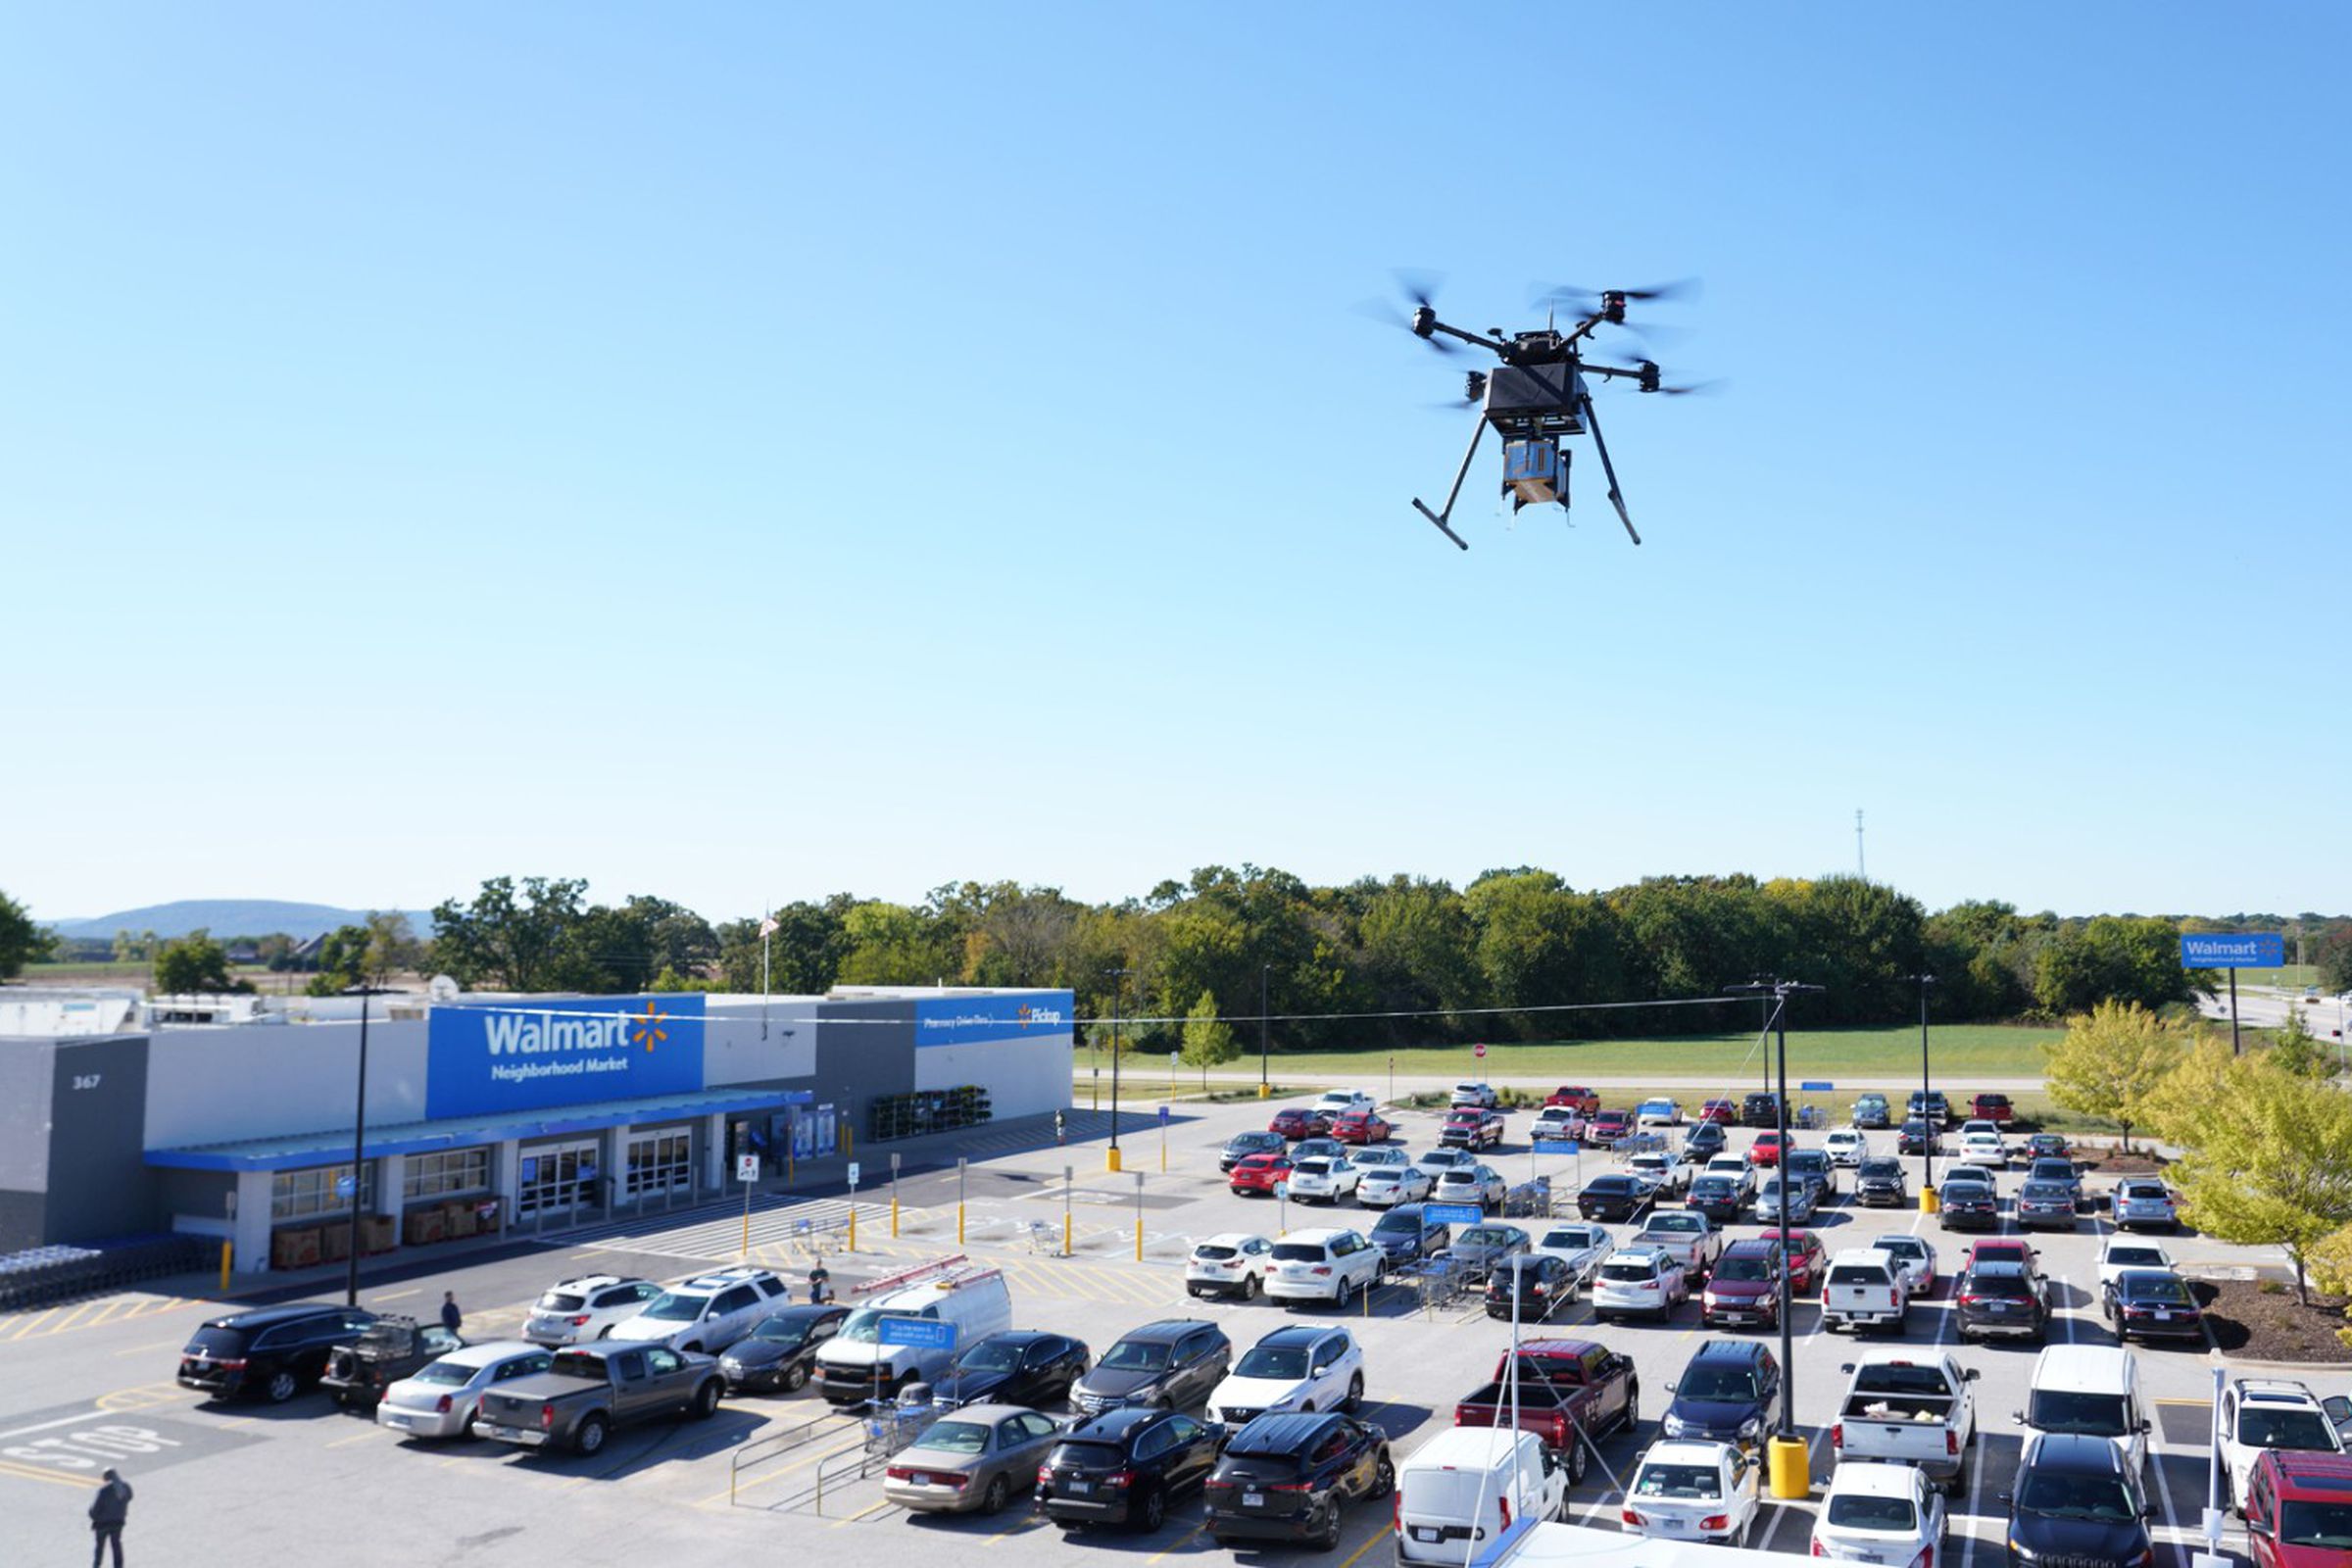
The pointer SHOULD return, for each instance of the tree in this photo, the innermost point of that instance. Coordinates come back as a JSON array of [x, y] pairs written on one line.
[[2296, 1050], [2336, 959], [892, 945], [1207, 1038], [342, 962], [22, 942], [2111, 1059], [804, 956], [135, 947], [2113, 958], [500, 937], [193, 964]]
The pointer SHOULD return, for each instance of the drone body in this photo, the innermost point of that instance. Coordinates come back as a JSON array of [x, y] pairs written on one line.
[[1536, 397]]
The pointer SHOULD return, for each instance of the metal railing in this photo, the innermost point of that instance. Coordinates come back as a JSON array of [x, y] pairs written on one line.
[[751, 1455]]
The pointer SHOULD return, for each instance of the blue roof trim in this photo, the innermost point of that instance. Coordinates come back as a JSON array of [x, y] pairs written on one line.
[[422, 1137]]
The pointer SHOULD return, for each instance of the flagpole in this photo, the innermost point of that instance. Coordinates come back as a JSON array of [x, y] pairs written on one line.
[[767, 926]]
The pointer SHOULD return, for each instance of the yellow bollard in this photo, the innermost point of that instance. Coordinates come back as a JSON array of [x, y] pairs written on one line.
[[1930, 1200], [894, 1219], [848, 1144], [958, 1224], [1791, 1468], [1266, 1091], [852, 1228], [1111, 1160], [1138, 1240], [225, 1245]]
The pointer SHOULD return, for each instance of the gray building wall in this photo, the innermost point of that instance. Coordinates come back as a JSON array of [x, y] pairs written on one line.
[[99, 1184], [864, 1049]]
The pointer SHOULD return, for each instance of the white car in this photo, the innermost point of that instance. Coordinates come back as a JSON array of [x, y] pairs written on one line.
[[2258, 1413], [708, 1312], [1685, 1490], [1340, 1102], [1880, 1513], [1984, 1149], [576, 1311], [1385, 1185], [1666, 1173], [1658, 1113], [1731, 1165], [1323, 1265], [1232, 1264], [1481, 1185], [2124, 1251], [1846, 1147], [441, 1398], [1582, 1248], [1914, 1258], [1438, 1161], [1558, 1124], [1960, 1170], [1638, 1279], [1483, 1096], [1296, 1368], [1323, 1180]]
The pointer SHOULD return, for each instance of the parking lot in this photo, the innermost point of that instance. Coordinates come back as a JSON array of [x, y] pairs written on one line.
[[93, 1384]]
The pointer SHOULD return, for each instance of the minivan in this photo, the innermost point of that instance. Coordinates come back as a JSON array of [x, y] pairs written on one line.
[[2090, 1391], [856, 1365], [274, 1351], [1468, 1490]]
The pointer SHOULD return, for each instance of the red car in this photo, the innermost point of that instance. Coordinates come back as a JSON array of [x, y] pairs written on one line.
[[1577, 1098], [2296, 1510], [1726, 1111], [1807, 1259], [1993, 1107], [1300, 1122], [1259, 1172], [1609, 1126], [1362, 1127], [1767, 1150]]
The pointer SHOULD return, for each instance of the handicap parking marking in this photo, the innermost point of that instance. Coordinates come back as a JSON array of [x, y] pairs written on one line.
[[79, 1441]]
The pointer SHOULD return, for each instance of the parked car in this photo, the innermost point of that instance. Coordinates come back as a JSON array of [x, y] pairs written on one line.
[[1614, 1196], [1813, 1167], [1807, 1259], [1468, 1484], [1690, 1237], [1385, 1185], [1846, 1147], [1745, 1286], [443, 1398], [1234, 1263], [1879, 1182], [1987, 1147], [1786, 1200], [389, 1349], [974, 1460], [708, 1312], [1582, 1248], [589, 1389], [1325, 1146], [1760, 1109], [1881, 1514], [1725, 1393], [1406, 1234], [1535, 1285], [1323, 1265], [1915, 1257], [1917, 1137], [2153, 1304], [2142, 1202], [2120, 1253], [1567, 1390], [1603, 1130], [1481, 1185], [1292, 1477], [1173, 1364], [1969, 1205], [855, 1366], [1660, 1112], [1665, 1172], [1480, 1095], [1259, 1174], [1864, 1286], [1467, 1127], [1930, 1104], [576, 1311], [781, 1352], [1871, 1112], [1438, 1161], [1740, 1172], [2048, 1146], [1322, 1181], [1994, 1108], [1477, 1250], [1766, 1150], [1718, 1198], [1911, 1404], [1295, 1122], [1240, 1146], [1557, 1124], [2045, 1204], [1704, 1140], [272, 1352], [2296, 1510], [1720, 1111], [2002, 1301], [1645, 1280], [2017, 1250], [1687, 1490], [1576, 1096], [1124, 1468], [2057, 1171], [1297, 1367], [2075, 1502], [1338, 1103], [2264, 1413], [1362, 1127], [1034, 1368]]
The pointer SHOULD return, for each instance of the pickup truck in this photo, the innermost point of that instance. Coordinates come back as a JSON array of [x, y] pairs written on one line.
[[1865, 1287], [1686, 1233], [1566, 1387], [1910, 1405], [391, 1348], [1470, 1127], [590, 1388]]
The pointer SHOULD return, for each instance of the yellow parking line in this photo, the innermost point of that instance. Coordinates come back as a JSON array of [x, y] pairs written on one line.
[[27, 1472], [23, 1328], [155, 1344], [394, 1296], [1177, 1544], [1017, 1527], [1370, 1542], [865, 1513], [356, 1437], [72, 1316]]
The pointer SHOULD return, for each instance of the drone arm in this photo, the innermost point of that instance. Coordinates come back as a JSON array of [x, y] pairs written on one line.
[[1593, 423], [1471, 338], [1438, 517]]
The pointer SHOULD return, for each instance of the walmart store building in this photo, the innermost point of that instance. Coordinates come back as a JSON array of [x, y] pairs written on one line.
[[510, 1112]]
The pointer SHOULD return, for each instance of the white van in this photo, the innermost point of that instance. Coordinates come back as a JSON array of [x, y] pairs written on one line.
[[1864, 1285], [2093, 1389], [1485, 1486], [856, 1364]]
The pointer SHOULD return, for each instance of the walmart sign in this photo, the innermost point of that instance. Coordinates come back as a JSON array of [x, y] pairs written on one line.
[[2208, 949], [490, 1057], [975, 1020]]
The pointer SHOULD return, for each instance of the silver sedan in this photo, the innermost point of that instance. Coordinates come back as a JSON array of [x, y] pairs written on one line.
[[978, 1458], [441, 1398]]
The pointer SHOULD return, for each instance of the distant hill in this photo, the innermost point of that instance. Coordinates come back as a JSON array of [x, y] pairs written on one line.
[[229, 917]]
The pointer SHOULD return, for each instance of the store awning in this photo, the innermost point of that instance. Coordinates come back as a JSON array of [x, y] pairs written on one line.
[[299, 1151]]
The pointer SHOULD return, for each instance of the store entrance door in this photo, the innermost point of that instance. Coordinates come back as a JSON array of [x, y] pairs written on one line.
[[556, 1179]]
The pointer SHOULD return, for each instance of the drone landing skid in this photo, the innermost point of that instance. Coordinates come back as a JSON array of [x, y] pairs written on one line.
[[1477, 432]]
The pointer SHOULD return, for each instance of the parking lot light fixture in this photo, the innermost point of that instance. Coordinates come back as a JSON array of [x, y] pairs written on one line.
[[359, 1145], [1926, 1181]]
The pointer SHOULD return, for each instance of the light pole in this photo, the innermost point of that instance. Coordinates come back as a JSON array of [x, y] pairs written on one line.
[[1119, 996], [1926, 1182], [1265, 973], [1788, 1468], [358, 1145]]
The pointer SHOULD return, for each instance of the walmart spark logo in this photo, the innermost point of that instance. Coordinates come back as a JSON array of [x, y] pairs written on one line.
[[645, 1029]]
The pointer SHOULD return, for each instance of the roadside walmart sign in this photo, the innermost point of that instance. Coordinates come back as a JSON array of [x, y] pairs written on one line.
[[489, 1058], [975, 1020]]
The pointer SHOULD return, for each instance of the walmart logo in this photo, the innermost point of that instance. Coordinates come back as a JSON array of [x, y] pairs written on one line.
[[646, 1030]]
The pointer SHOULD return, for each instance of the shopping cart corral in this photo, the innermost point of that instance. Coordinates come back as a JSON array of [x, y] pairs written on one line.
[[1529, 1200]]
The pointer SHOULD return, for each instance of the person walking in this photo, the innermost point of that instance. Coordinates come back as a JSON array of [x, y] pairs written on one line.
[[110, 1509], [451, 1318]]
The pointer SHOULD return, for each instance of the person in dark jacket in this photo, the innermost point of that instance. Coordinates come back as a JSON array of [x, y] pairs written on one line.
[[451, 1318], [110, 1509]]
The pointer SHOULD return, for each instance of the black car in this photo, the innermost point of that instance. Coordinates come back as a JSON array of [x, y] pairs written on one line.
[[1997, 1300], [1288, 1477], [781, 1350], [1760, 1110], [1812, 1166], [1124, 1467], [1169, 1365], [1020, 1366], [1240, 1146], [1879, 1181], [2077, 1502], [1540, 1283], [1971, 1206], [1917, 1137], [1406, 1234], [1704, 1141], [1614, 1198], [273, 1351], [1725, 1395], [1930, 1105], [2153, 1304], [1719, 1197]]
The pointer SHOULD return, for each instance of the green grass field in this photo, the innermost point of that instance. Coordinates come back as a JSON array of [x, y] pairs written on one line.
[[2294, 976], [1958, 1051]]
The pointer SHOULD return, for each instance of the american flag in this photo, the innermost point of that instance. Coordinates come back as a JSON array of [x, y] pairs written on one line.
[[770, 927]]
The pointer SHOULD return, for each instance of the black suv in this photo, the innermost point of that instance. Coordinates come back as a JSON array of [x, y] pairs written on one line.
[[1971, 1206], [1020, 1366], [1880, 1180], [1122, 1468], [1169, 1365], [1725, 1395], [1287, 1477], [274, 1351], [1930, 1105], [1760, 1110], [2002, 1298], [2077, 1502], [1541, 1283], [1704, 1140]]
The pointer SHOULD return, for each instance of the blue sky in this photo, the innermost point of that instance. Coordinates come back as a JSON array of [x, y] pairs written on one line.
[[740, 452]]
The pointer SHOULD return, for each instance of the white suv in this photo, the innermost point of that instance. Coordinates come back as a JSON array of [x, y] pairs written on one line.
[[2259, 1413], [1301, 1368], [1232, 1264], [708, 1312], [1323, 1265], [576, 1311]]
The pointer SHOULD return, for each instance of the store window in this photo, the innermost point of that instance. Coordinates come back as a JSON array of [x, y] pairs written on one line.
[[556, 1178], [444, 1172], [304, 1194], [660, 1162]]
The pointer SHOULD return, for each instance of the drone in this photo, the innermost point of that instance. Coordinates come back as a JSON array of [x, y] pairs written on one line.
[[1539, 394]]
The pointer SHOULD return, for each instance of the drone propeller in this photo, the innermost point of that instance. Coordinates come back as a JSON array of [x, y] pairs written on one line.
[[1568, 294], [1420, 289]]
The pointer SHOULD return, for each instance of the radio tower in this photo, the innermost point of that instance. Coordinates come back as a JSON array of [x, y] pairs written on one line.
[[1861, 869]]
